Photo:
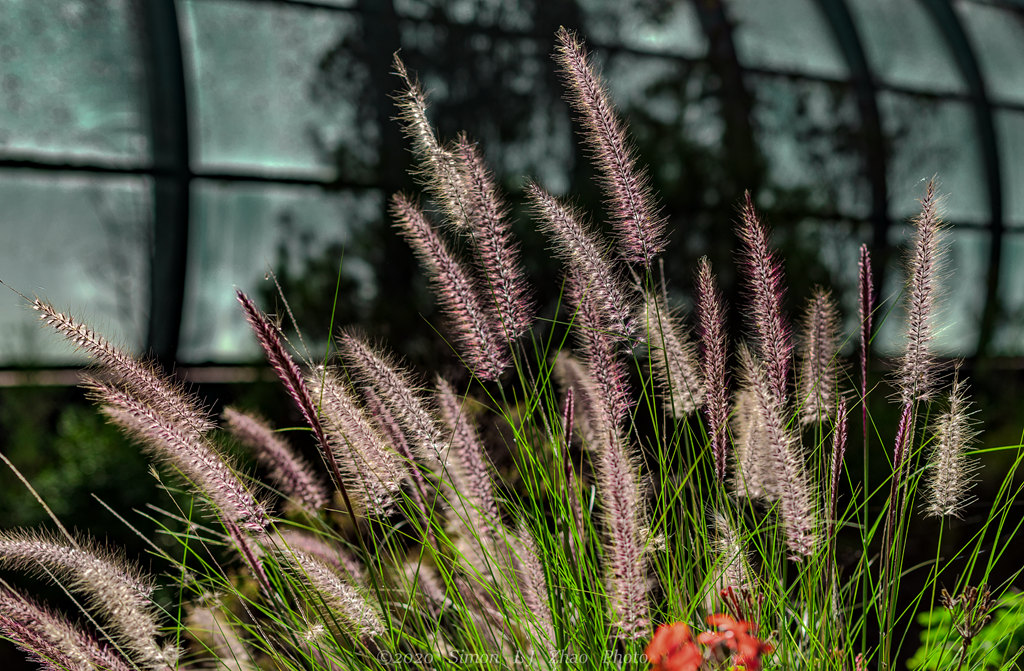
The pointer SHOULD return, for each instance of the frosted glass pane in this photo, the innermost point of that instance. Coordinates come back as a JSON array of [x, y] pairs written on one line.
[[809, 132], [258, 72], [239, 232], [508, 15], [1010, 129], [71, 78], [1009, 335], [904, 46], [961, 290], [787, 34], [933, 138], [997, 36], [83, 244], [669, 28]]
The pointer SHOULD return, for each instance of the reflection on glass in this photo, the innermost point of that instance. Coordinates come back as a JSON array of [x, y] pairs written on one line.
[[240, 232], [929, 138], [71, 80], [1010, 130], [1009, 336], [904, 46], [253, 68], [997, 37], [83, 244], [810, 134], [662, 27], [786, 34]]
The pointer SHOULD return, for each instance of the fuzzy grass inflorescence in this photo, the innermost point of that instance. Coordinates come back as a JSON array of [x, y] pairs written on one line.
[[551, 503]]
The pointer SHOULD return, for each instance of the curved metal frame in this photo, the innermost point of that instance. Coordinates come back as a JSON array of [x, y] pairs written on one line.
[[953, 32]]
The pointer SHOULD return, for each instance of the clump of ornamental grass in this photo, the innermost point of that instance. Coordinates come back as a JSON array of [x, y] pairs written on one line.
[[666, 474]]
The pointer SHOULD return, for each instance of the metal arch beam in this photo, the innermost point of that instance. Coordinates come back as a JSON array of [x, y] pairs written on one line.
[[741, 148], [168, 121], [875, 146], [953, 32]]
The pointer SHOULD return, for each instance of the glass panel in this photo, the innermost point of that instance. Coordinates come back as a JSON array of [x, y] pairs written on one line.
[[810, 135], [83, 244], [240, 231], [663, 27], [71, 80], [1009, 336], [786, 34], [261, 87], [507, 15], [904, 46], [926, 138], [997, 35], [961, 283], [1010, 128], [824, 252]]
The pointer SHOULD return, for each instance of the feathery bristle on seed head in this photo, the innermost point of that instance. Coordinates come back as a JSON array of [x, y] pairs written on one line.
[[394, 386], [865, 308], [344, 602], [836, 461], [773, 344], [713, 361], [51, 639], [497, 255], [477, 331], [754, 476], [950, 472], [333, 554], [796, 496], [917, 374], [819, 358], [290, 375], [533, 587], [734, 567], [634, 212], [674, 358], [599, 350], [221, 638], [292, 475], [439, 169], [600, 385], [584, 253], [114, 587], [194, 456], [466, 465], [373, 471], [165, 396]]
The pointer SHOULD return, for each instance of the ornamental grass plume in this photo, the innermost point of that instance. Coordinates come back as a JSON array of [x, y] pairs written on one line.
[[478, 333], [818, 379], [50, 639], [372, 470], [772, 341], [290, 473], [917, 374], [114, 588], [673, 357], [713, 362], [632, 207], [950, 472]]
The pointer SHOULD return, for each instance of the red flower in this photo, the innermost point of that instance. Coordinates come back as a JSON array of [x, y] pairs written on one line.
[[673, 649], [737, 637]]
